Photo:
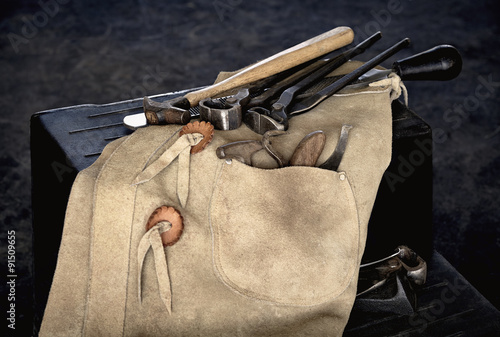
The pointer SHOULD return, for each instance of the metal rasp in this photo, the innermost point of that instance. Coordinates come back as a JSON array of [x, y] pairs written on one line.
[[261, 120], [309, 103]]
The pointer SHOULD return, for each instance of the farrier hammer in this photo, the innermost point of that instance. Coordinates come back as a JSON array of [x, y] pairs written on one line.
[[176, 111]]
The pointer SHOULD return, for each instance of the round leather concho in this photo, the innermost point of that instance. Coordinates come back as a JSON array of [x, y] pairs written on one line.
[[205, 128], [172, 216]]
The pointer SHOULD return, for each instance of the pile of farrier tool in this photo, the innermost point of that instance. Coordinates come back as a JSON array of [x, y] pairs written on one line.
[[265, 95]]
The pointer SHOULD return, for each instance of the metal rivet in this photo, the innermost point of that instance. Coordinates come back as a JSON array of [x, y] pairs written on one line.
[[229, 161], [342, 177]]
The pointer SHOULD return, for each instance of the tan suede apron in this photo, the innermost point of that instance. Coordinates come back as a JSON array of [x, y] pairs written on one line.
[[265, 251]]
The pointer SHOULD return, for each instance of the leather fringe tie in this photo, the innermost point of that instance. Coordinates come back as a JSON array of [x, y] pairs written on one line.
[[152, 239], [397, 84], [181, 148]]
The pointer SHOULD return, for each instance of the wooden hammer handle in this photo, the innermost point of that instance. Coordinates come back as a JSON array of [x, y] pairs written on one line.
[[289, 58]]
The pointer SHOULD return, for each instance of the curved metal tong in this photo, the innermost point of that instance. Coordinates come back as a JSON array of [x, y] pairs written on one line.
[[261, 120]]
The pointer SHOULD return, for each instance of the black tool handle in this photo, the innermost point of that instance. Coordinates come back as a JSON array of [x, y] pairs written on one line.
[[441, 63], [289, 94]]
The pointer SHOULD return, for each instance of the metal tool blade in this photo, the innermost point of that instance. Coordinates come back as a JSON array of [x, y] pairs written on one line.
[[333, 162], [373, 75], [135, 121]]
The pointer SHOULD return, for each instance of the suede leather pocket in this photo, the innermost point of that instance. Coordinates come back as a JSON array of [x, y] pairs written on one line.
[[288, 236]]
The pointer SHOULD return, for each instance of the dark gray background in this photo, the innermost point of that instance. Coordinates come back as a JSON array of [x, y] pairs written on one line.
[[57, 54]]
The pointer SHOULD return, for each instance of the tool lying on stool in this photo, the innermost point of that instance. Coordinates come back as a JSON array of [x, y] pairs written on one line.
[[309, 103], [224, 115], [404, 259], [257, 118], [305, 105], [387, 285], [227, 115], [176, 111], [441, 63]]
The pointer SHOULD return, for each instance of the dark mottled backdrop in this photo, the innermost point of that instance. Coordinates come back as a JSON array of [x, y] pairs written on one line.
[[57, 53]]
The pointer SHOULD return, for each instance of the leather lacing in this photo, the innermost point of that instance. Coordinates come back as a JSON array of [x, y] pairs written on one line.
[[152, 238], [181, 148], [397, 85]]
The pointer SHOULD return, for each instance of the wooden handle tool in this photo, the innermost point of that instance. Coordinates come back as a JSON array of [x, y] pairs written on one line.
[[309, 149], [289, 58], [176, 110]]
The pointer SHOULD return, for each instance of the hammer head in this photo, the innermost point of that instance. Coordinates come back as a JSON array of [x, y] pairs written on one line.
[[223, 116], [174, 111]]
